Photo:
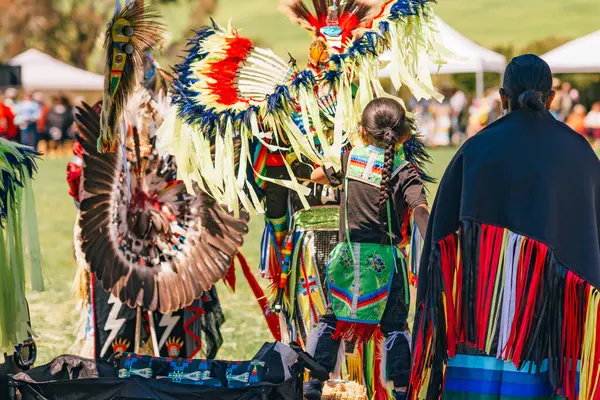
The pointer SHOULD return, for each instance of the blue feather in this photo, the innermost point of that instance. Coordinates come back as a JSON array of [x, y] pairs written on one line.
[[21, 165], [407, 8], [416, 154]]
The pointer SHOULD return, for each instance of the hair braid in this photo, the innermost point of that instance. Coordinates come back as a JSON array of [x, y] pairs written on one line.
[[389, 138], [384, 125]]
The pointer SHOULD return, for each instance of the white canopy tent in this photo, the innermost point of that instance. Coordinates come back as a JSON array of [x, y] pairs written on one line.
[[470, 57], [39, 71], [579, 55]]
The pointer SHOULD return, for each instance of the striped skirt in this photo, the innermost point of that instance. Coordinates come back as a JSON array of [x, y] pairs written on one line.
[[488, 378]]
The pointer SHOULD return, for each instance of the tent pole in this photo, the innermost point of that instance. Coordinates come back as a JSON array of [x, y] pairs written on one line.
[[479, 83]]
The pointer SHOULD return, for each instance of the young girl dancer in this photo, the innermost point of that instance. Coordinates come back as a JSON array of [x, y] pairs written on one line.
[[367, 271]]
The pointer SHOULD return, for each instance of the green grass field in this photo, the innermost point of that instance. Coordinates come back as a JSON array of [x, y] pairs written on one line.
[[488, 22], [53, 312]]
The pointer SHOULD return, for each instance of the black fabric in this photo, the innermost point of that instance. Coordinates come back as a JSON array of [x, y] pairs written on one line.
[[7, 366], [533, 175], [110, 329], [320, 195], [212, 319], [182, 333], [75, 378], [407, 193], [276, 196]]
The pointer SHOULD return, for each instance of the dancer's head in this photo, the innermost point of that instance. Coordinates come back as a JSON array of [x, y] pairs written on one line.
[[527, 84], [384, 125]]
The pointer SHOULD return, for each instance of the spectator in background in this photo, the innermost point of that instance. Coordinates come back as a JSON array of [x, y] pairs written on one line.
[[8, 129], [458, 106], [576, 120], [10, 98], [59, 121], [566, 102], [28, 113], [555, 107], [495, 112], [443, 125], [42, 130], [592, 123]]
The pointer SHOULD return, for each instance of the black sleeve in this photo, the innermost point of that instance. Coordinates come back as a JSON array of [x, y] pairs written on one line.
[[412, 187], [337, 178]]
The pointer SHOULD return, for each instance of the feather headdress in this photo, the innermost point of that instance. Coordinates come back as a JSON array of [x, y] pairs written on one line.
[[228, 88], [352, 14], [132, 31]]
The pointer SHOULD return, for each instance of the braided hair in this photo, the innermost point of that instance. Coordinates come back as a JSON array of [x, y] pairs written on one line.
[[384, 125]]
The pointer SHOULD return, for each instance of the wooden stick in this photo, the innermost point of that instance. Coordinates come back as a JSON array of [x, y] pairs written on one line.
[[153, 334], [138, 328]]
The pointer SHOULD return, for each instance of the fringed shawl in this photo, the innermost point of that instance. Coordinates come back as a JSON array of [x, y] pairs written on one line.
[[511, 262]]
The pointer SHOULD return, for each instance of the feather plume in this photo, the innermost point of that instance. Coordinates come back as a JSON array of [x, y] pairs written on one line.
[[132, 32], [163, 249], [353, 14]]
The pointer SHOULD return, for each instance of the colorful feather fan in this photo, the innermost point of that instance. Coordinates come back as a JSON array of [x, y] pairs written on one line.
[[163, 248], [132, 31]]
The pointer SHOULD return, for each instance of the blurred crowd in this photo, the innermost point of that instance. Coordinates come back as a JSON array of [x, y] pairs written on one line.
[[35, 119], [461, 116]]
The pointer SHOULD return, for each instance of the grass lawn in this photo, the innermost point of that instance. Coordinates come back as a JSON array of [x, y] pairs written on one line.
[[53, 312]]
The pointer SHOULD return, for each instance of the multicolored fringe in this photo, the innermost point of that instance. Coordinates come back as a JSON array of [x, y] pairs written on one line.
[[370, 371], [508, 296], [259, 164], [275, 232], [416, 247]]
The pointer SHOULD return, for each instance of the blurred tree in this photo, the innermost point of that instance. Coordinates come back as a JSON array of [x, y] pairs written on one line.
[[200, 11], [543, 46], [69, 30]]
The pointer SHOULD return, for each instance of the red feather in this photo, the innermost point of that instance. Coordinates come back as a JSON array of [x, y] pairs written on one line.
[[230, 278], [223, 72], [348, 23]]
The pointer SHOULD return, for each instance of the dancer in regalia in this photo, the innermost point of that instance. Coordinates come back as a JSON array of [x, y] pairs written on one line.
[[143, 243], [367, 274], [235, 101], [509, 289], [238, 107], [185, 332], [230, 94], [18, 242]]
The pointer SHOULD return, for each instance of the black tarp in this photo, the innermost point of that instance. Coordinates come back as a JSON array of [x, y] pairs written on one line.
[[76, 378]]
